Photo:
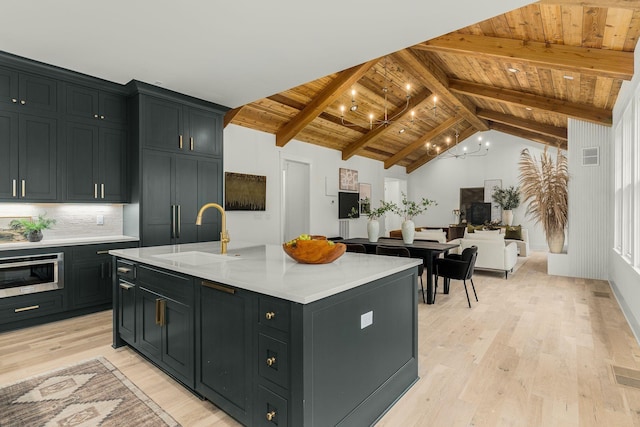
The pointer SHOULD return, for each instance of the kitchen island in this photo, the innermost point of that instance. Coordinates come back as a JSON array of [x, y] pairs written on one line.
[[268, 340]]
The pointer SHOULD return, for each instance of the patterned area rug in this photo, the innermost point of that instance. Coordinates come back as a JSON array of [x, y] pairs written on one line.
[[92, 393]]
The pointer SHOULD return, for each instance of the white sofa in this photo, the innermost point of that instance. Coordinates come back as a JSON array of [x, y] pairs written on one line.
[[494, 252], [522, 245]]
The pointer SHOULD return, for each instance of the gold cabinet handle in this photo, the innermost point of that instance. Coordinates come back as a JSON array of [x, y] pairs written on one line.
[[95, 116], [101, 117], [31, 307], [218, 287], [102, 252], [126, 286], [270, 315], [161, 306], [102, 191], [271, 361], [180, 144], [95, 191], [14, 100], [24, 188], [271, 415], [124, 270], [191, 143], [14, 191], [23, 102]]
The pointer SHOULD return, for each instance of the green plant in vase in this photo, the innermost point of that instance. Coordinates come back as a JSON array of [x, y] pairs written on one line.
[[32, 229], [373, 226], [508, 199], [408, 211]]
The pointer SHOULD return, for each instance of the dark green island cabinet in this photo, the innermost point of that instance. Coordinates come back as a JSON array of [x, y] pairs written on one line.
[[267, 340]]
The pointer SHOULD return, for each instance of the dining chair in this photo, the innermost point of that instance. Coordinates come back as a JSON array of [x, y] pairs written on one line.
[[356, 247], [457, 267], [402, 252]]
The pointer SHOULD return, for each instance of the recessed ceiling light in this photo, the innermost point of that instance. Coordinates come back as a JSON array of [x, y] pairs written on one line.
[[528, 108], [512, 70], [568, 77]]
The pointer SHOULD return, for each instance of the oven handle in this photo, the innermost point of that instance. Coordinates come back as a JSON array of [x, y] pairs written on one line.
[[26, 263]]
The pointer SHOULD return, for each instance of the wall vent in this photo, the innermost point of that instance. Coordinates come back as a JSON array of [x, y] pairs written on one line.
[[591, 156]]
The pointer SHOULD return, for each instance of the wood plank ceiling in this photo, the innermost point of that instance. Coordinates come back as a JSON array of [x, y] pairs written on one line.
[[522, 73]]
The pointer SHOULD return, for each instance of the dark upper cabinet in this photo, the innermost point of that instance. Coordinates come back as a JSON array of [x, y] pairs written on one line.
[[174, 187], [172, 126], [96, 163], [28, 92], [93, 104], [29, 161]]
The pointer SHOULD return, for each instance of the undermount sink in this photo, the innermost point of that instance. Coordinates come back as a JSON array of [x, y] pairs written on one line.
[[197, 258]]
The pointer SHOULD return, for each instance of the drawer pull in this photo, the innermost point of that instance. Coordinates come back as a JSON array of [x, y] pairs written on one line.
[[102, 252], [126, 286], [31, 307], [161, 306], [271, 415], [270, 315], [124, 270], [217, 287], [271, 361]]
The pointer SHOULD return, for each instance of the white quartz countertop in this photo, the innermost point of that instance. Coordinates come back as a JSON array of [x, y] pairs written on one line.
[[268, 270], [71, 241]]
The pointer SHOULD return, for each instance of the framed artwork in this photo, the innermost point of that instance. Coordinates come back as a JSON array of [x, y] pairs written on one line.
[[243, 192], [348, 179], [365, 193]]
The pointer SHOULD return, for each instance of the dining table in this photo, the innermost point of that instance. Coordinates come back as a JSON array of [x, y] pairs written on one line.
[[427, 250]]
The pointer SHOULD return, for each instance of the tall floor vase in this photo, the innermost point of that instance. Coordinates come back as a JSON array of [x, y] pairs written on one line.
[[373, 230], [408, 231], [556, 242]]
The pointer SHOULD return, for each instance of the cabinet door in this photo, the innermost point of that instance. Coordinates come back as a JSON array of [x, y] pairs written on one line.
[[156, 209], [186, 199], [37, 158], [177, 340], [112, 166], [91, 282], [205, 132], [82, 183], [113, 107], [209, 190], [148, 332], [38, 92], [9, 157], [8, 86], [82, 102], [127, 310], [223, 372], [162, 124]]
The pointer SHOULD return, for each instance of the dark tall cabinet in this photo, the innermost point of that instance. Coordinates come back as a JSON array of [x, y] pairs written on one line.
[[176, 168]]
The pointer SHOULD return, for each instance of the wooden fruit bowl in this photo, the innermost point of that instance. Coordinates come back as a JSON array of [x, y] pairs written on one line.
[[318, 250]]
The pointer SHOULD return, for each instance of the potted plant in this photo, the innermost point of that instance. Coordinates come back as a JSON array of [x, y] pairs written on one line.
[[373, 226], [544, 184], [508, 199], [408, 210], [32, 229]]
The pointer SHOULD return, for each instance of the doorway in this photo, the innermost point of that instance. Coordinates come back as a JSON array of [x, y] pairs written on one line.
[[393, 189], [296, 204]]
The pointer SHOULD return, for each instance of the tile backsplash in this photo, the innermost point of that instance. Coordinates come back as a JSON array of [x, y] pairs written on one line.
[[72, 220]]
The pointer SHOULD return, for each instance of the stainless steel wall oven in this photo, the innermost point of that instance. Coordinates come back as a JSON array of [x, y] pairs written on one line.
[[30, 274]]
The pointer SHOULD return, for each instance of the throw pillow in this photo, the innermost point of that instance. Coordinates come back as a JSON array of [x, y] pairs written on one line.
[[486, 236], [513, 232], [488, 231]]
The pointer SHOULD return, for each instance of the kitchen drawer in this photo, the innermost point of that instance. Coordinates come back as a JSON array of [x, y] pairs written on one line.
[[169, 284], [28, 306], [271, 409], [274, 313], [273, 360], [126, 269]]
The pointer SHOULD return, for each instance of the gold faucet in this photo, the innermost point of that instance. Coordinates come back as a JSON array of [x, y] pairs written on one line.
[[224, 234]]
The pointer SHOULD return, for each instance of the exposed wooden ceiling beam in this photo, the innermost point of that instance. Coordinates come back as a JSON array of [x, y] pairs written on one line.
[[443, 127], [600, 62], [353, 148], [528, 125], [619, 4], [578, 111], [428, 157], [333, 91], [229, 115], [533, 136], [436, 80]]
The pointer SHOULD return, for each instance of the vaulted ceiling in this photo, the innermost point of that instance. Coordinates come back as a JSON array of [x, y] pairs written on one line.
[[522, 73]]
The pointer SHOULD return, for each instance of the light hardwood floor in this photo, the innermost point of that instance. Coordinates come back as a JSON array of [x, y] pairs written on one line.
[[536, 350]]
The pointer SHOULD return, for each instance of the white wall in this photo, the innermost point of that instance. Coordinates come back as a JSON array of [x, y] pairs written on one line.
[[253, 152], [441, 180]]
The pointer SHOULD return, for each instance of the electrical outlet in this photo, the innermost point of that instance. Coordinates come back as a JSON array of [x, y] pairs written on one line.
[[100, 220]]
